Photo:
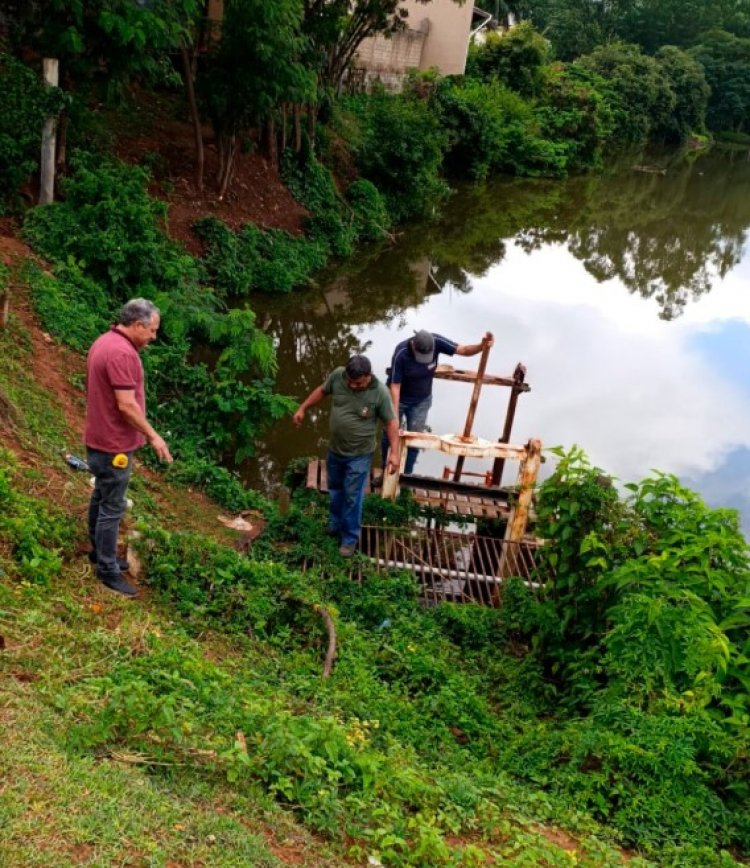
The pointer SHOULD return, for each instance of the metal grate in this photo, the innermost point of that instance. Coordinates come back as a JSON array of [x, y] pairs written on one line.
[[459, 567]]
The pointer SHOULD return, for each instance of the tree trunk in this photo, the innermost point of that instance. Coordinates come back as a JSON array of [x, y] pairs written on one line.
[[229, 165], [62, 143], [312, 118], [297, 123], [283, 127], [271, 143], [187, 72], [49, 133], [4, 306]]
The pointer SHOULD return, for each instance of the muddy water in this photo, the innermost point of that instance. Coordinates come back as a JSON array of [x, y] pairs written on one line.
[[627, 296]]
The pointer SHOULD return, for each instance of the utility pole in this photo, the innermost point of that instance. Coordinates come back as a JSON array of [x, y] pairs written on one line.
[[49, 138]]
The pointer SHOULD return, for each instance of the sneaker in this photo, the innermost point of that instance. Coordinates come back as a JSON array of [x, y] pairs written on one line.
[[332, 532], [346, 550], [117, 583], [123, 565]]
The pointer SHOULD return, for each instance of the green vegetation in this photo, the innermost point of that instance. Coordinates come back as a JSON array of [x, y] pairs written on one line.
[[24, 106], [444, 735], [612, 700], [106, 244]]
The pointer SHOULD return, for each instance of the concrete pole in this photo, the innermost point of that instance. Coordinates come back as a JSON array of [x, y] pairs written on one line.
[[49, 138]]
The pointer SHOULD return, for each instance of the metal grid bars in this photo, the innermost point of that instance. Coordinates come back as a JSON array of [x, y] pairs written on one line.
[[449, 566]]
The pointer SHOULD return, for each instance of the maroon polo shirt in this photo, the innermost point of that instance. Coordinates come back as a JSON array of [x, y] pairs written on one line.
[[113, 363]]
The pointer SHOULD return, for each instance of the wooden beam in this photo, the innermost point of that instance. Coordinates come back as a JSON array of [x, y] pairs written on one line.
[[515, 530], [447, 372], [452, 444], [390, 488], [473, 406]]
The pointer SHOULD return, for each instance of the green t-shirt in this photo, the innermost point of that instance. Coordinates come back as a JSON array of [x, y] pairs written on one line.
[[354, 415]]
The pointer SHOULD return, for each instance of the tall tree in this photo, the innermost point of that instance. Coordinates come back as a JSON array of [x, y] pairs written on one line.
[[726, 60], [103, 41], [337, 28], [255, 69]]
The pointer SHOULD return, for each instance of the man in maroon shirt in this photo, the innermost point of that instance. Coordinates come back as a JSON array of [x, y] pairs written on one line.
[[116, 426]]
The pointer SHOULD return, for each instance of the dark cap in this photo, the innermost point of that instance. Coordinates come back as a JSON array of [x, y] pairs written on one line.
[[423, 347]]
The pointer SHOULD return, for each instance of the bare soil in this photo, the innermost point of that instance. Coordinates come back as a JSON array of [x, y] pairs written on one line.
[[166, 143]]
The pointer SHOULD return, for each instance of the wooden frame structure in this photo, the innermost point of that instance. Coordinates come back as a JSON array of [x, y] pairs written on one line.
[[462, 566], [528, 456]]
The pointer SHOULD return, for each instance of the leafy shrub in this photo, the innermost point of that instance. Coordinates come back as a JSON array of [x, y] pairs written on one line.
[[636, 89], [107, 244], [111, 227], [33, 533], [573, 113], [726, 61], [400, 150], [69, 303], [491, 129], [516, 59], [652, 776], [687, 79], [253, 260], [369, 209]]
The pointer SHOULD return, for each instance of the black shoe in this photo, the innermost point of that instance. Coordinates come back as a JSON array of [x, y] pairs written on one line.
[[122, 564], [332, 532], [117, 583]]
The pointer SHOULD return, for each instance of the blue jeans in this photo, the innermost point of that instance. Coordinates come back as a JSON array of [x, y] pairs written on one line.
[[347, 476], [107, 507], [412, 416]]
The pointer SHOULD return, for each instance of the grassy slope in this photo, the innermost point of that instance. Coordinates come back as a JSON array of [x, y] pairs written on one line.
[[65, 807]]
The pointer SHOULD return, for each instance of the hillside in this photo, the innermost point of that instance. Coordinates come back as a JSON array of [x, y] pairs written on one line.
[[62, 633]]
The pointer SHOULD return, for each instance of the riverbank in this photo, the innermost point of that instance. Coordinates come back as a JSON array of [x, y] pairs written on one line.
[[65, 638]]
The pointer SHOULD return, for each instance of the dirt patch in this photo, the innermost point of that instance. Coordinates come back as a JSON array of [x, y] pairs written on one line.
[[81, 854], [165, 143], [290, 853], [11, 247], [558, 838]]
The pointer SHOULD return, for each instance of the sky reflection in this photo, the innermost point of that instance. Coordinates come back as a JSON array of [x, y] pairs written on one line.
[[634, 391]]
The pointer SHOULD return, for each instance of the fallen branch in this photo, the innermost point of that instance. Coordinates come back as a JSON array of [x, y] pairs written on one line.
[[331, 653]]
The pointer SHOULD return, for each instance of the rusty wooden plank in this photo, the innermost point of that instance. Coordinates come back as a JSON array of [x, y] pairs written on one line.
[[312, 474], [452, 444], [516, 528], [475, 392], [446, 372]]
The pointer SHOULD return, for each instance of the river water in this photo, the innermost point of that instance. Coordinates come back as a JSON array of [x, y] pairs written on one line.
[[626, 295]]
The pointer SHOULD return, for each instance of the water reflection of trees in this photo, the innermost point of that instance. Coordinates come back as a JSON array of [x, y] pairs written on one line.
[[665, 236]]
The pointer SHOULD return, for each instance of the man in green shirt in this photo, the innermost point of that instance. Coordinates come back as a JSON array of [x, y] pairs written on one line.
[[359, 400]]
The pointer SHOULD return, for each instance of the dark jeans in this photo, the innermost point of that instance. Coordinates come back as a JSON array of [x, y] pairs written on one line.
[[347, 476], [107, 507], [412, 416]]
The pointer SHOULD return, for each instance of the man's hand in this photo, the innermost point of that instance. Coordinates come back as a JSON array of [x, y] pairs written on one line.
[[160, 447], [394, 463], [298, 417], [489, 339]]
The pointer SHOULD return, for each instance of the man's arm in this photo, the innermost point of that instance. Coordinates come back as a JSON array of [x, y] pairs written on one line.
[[472, 349], [391, 431], [395, 390], [315, 397], [136, 418]]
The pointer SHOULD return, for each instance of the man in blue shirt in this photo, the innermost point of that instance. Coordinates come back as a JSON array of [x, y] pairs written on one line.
[[410, 379]]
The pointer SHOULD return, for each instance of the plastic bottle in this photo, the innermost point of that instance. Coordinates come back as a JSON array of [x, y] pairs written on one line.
[[75, 462]]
